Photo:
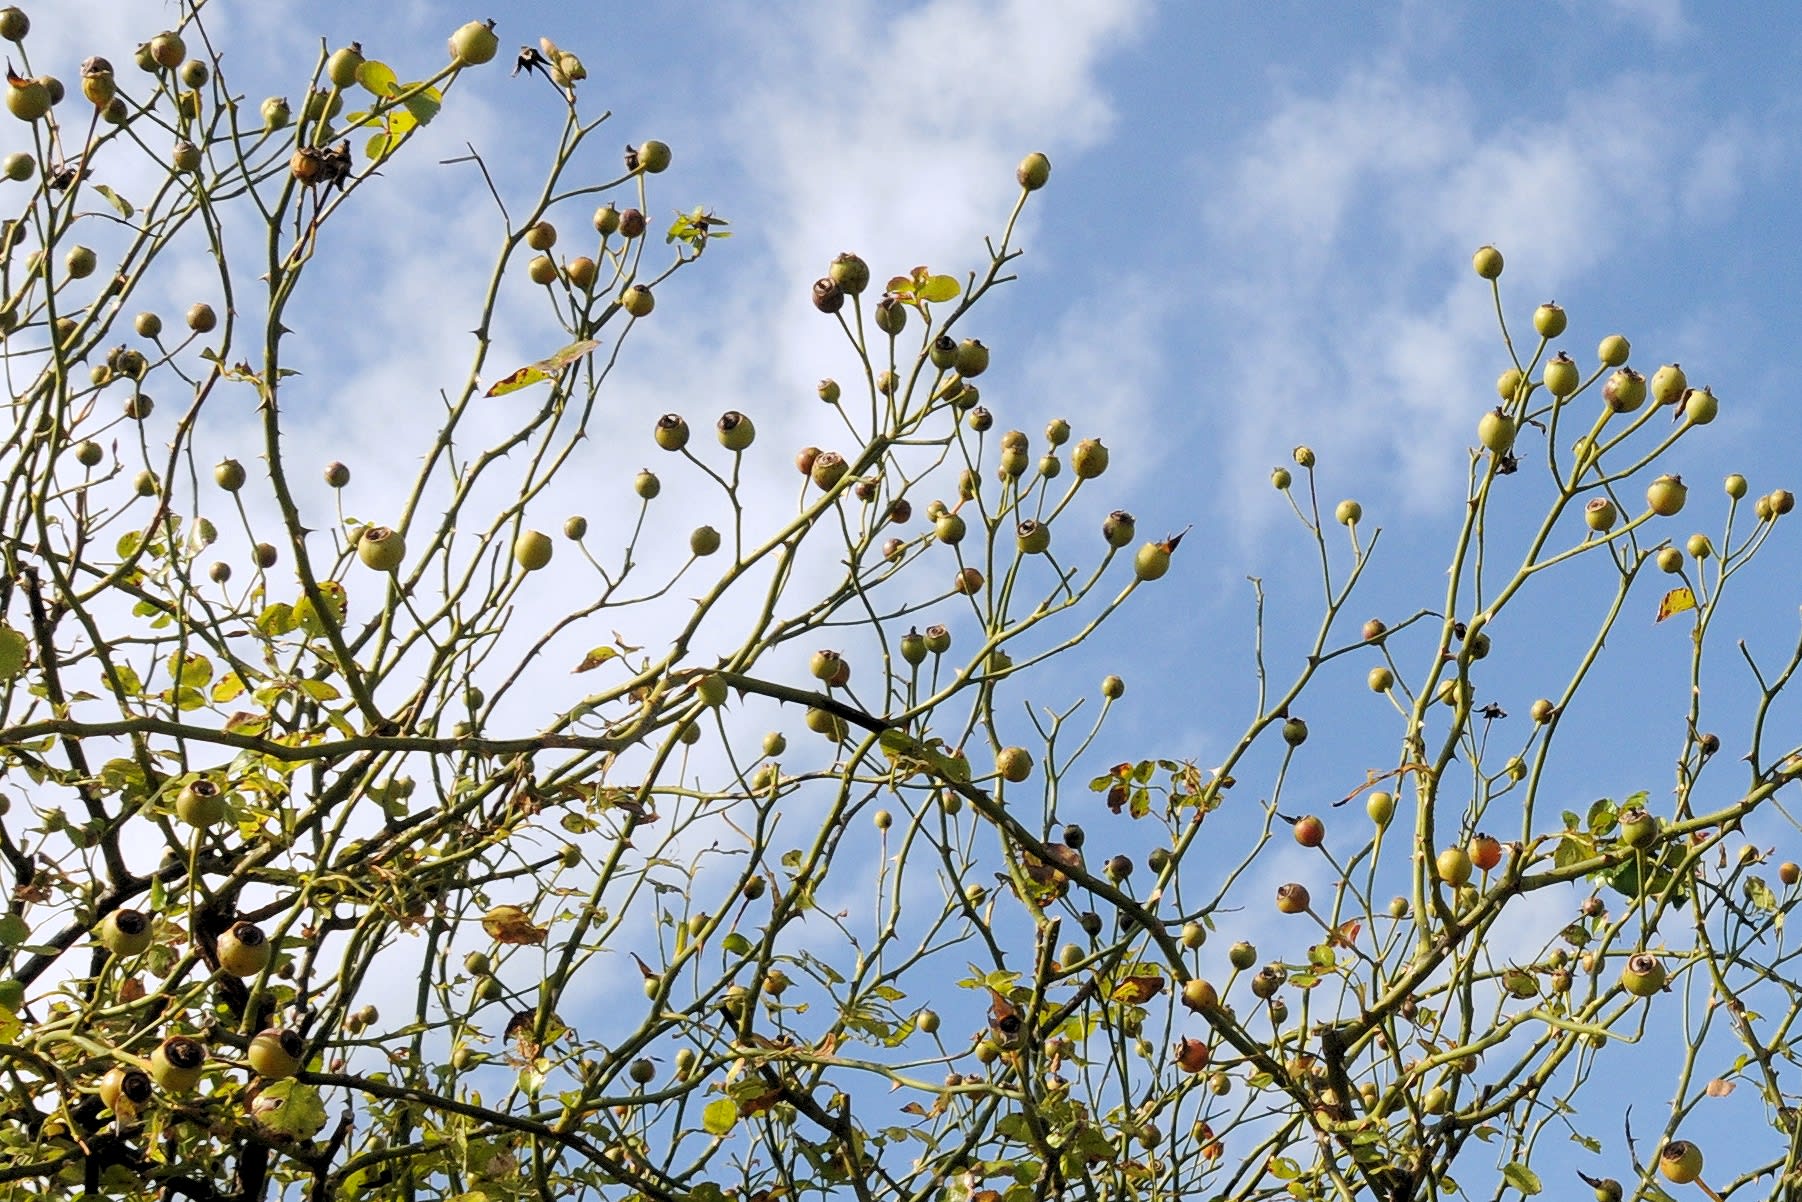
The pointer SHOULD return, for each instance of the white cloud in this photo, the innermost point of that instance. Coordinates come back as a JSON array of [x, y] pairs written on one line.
[[1337, 238], [1663, 19], [920, 136]]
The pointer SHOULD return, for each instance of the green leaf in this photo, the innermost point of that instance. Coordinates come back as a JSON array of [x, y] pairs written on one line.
[[123, 776], [377, 78], [938, 288], [1522, 1178], [376, 147], [736, 944], [14, 930], [1660, 881], [421, 106], [898, 745], [14, 653], [299, 1112], [1759, 894], [720, 1116], [117, 201], [1013, 1126], [1572, 848], [952, 768]]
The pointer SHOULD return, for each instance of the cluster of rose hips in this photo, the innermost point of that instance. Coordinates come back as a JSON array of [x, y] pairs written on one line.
[[1625, 390], [176, 1064], [583, 272]]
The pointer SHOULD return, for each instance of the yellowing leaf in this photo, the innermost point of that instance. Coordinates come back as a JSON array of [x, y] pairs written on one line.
[[720, 1116], [242, 723], [1048, 881], [190, 669], [595, 658], [338, 601], [510, 924], [544, 369], [377, 78], [1136, 991], [1675, 602], [14, 654]]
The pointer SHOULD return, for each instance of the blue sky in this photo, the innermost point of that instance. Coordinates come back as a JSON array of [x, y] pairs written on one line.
[[1257, 234]]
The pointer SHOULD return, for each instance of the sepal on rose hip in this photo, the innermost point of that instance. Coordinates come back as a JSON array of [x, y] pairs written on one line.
[[850, 273], [1669, 384], [736, 430], [1561, 375], [125, 1089], [243, 950], [275, 1053], [1496, 430], [381, 548], [1549, 320], [1153, 560], [474, 43], [124, 932], [828, 297], [177, 1062], [1680, 1161], [1643, 975], [1624, 391], [1034, 172], [1665, 495]]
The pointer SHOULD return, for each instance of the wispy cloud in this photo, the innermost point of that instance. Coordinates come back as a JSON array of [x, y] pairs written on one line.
[[1663, 19], [1337, 237]]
